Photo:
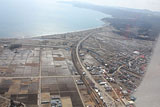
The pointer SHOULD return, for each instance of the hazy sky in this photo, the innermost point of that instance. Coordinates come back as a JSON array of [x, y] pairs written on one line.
[[141, 4]]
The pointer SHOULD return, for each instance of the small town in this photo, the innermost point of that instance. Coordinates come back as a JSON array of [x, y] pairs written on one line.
[[92, 68]]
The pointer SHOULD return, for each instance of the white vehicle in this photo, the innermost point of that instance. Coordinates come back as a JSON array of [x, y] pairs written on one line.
[[84, 73], [103, 83], [121, 88], [96, 90], [101, 98], [99, 94], [106, 85]]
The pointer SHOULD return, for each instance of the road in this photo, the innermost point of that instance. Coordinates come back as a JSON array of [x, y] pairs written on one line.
[[79, 92], [40, 78], [107, 98], [121, 102]]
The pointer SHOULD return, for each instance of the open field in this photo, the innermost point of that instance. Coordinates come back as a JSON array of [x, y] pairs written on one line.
[[86, 68], [27, 73]]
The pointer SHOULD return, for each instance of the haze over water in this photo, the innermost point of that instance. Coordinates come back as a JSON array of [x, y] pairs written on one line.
[[26, 18]]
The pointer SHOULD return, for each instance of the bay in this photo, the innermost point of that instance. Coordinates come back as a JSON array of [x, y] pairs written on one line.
[[28, 18]]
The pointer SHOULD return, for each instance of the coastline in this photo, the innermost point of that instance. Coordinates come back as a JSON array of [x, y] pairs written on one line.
[[53, 31], [77, 31], [45, 35]]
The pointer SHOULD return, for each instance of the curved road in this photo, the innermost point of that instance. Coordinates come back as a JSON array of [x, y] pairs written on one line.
[[107, 98]]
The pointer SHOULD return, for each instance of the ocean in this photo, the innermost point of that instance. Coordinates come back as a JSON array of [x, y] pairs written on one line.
[[29, 18]]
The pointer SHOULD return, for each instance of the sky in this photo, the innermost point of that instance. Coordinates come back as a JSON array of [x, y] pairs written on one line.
[[153, 5]]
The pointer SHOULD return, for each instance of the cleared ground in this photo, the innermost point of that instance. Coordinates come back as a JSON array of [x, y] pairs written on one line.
[[27, 73]]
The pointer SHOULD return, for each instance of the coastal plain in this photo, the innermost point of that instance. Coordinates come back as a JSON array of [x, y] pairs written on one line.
[[41, 70]]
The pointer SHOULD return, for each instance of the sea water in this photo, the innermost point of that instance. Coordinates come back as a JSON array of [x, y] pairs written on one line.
[[27, 18]]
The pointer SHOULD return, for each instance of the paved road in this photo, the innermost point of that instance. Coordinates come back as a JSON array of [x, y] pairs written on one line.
[[107, 98], [121, 103]]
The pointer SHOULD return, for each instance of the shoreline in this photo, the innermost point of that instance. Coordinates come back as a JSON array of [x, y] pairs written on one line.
[[82, 30], [39, 36], [43, 37], [65, 32], [32, 37]]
